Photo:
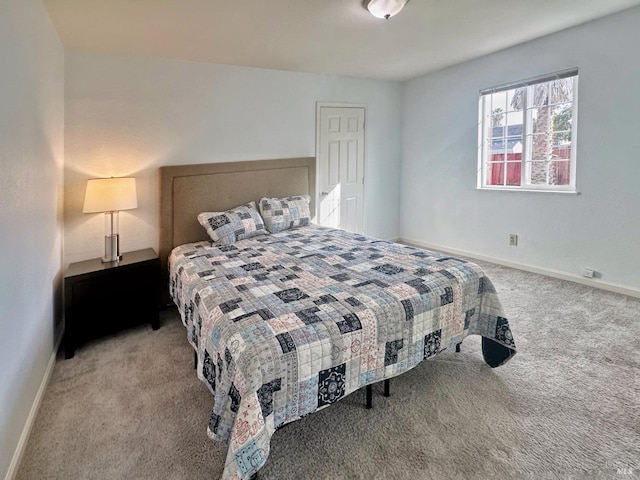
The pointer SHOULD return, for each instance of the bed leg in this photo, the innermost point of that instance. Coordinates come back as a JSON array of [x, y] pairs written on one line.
[[458, 347], [369, 396], [195, 360], [387, 388]]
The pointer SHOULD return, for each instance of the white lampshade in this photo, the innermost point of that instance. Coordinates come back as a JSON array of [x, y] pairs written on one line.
[[385, 8], [110, 195]]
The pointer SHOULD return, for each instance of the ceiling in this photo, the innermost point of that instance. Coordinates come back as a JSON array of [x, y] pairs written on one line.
[[320, 36]]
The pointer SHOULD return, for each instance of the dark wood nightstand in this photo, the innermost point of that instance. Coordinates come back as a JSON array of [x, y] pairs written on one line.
[[101, 298]]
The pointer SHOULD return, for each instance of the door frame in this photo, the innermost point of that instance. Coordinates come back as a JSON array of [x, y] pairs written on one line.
[[364, 106]]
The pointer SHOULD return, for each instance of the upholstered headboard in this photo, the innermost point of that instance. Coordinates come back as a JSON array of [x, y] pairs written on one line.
[[187, 190]]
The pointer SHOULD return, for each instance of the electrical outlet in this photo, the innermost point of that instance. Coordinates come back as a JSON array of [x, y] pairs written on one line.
[[513, 239], [588, 272]]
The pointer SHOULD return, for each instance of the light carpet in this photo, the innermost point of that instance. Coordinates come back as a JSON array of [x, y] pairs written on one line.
[[565, 407]]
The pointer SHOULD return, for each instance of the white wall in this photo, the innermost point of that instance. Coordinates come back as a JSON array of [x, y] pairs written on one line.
[[131, 115], [31, 186], [600, 228]]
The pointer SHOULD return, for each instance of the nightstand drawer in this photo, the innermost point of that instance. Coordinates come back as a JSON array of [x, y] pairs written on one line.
[[119, 286]]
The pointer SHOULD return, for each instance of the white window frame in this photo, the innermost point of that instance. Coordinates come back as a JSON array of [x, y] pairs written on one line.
[[485, 124]]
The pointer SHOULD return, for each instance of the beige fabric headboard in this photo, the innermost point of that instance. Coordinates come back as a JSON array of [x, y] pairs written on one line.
[[187, 190]]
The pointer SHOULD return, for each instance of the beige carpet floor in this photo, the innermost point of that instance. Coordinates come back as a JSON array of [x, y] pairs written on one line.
[[565, 407]]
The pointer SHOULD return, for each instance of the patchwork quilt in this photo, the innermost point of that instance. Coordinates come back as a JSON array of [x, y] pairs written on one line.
[[289, 323]]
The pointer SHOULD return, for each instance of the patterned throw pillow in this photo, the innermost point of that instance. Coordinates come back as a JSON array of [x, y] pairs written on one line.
[[283, 213], [238, 223]]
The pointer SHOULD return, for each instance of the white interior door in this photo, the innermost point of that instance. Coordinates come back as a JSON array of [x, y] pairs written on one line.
[[340, 167]]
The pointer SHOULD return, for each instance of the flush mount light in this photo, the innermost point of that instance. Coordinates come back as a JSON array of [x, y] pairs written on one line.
[[384, 8]]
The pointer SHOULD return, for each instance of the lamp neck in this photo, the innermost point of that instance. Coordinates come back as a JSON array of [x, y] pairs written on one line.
[[111, 222]]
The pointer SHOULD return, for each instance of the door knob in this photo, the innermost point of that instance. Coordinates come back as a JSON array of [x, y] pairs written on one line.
[[324, 194]]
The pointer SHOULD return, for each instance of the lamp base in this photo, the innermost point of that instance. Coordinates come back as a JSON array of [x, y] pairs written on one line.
[[111, 248]]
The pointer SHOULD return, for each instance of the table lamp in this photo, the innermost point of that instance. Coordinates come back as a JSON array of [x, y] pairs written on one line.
[[110, 195]]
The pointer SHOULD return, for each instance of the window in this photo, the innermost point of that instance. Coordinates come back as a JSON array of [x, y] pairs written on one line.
[[527, 134]]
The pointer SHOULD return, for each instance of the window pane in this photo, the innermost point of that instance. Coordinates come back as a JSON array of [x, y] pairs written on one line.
[[540, 119], [562, 170], [515, 99], [497, 143], [495, 173], [498, 108], [514, 118], [537, 173], [562, 123], [560, 149], [561, 90], [513, 132], [540, 147], [564, 108], [538, 94], [561, 137], [513, 173]]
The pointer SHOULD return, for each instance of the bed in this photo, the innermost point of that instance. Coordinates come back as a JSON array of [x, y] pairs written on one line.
[[288, 323]]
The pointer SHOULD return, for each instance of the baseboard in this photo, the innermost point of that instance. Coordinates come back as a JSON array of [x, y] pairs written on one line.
[[610, 287], [33, 413]]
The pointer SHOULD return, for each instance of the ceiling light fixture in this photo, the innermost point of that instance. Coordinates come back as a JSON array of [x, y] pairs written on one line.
[[384, 8]]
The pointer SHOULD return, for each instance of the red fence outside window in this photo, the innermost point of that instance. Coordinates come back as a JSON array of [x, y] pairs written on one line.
[[495, 169]]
